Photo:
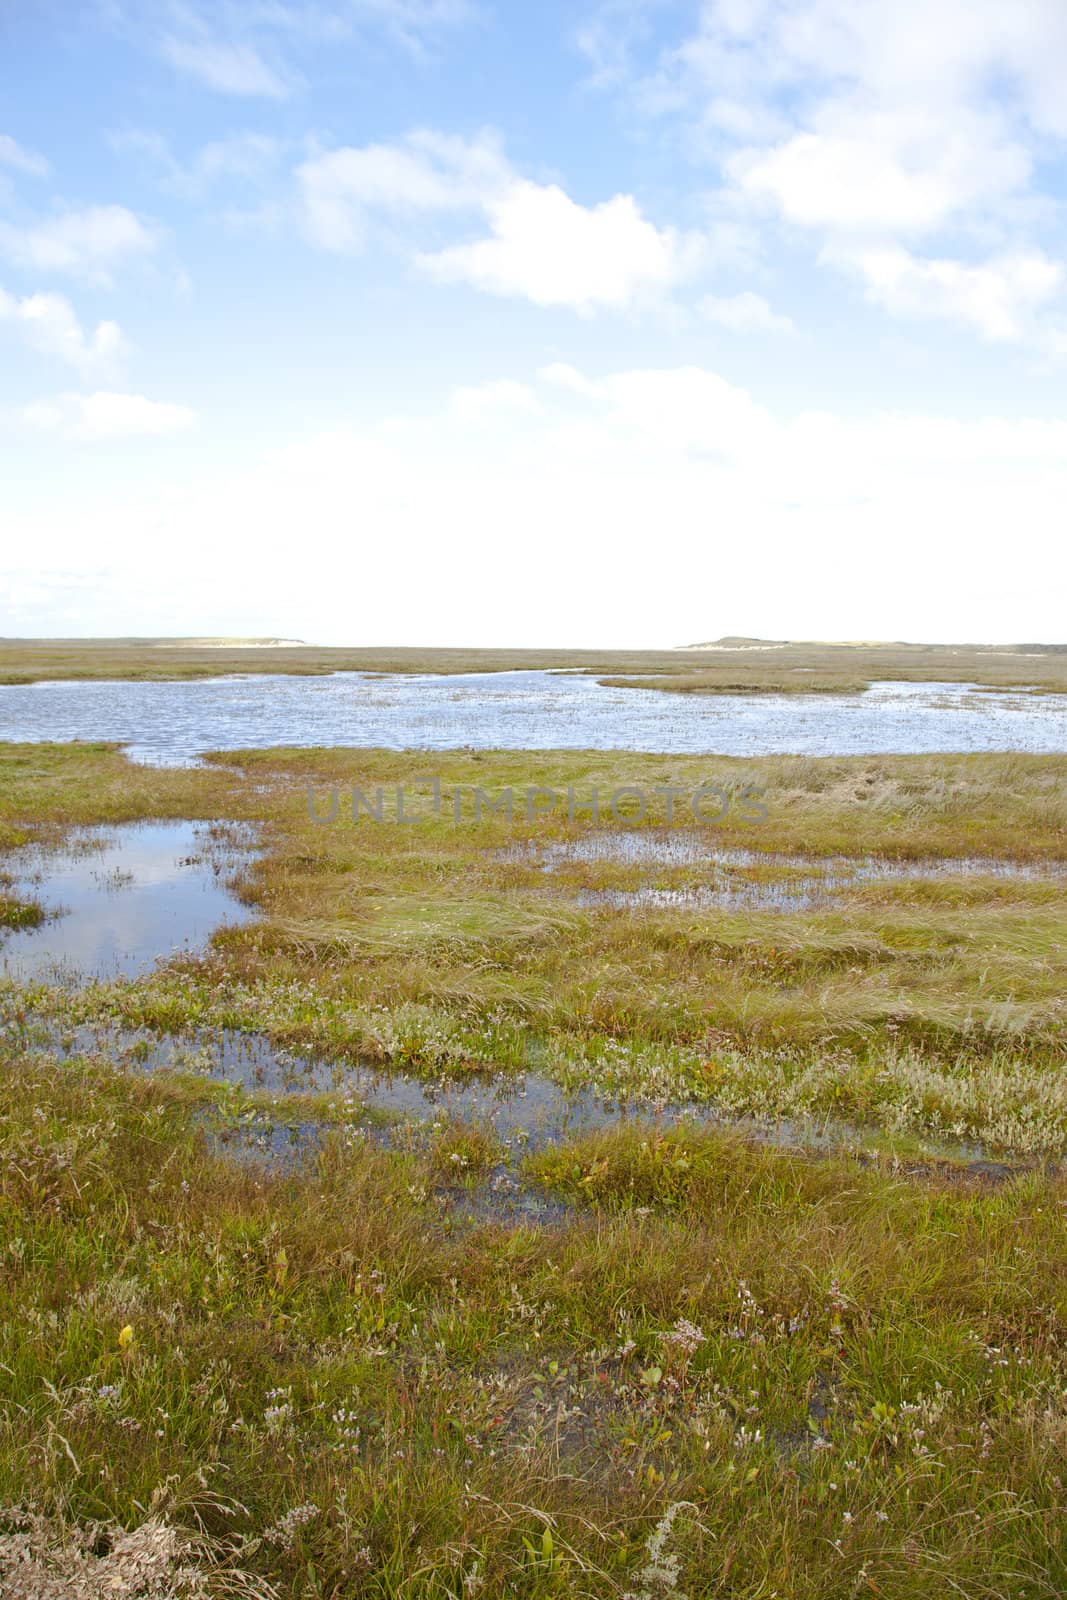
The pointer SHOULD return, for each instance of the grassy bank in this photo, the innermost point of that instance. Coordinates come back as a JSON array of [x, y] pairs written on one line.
[[30, 660], [848, 669], [792, 668]]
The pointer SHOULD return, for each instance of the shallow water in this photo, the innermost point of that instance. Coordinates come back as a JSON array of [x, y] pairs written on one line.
[[120, 898], [172, 723], [802, 883], [503, 1195], [525, 1110]]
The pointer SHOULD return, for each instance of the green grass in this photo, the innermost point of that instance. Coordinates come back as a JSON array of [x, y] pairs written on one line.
[[757, 1370], [845, 1383], [18, 912], [935, 1006]]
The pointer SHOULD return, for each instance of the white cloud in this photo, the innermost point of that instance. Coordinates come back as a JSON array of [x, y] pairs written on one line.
[[879, 173], [341, 190], [107, 415], [88, 243], [603, 473], [250, 48], [50, 324], [563, 376], [13, 154], [744, 313], [248, 158], [546, 248], [542, 246], [881, 126], [883, 55], [609, 36], [682, 411], [243, 155], [410, 22], [998, 297], [230, 68], [486, 402]]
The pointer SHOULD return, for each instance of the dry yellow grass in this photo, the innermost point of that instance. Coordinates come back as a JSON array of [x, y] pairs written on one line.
[[790, 668]]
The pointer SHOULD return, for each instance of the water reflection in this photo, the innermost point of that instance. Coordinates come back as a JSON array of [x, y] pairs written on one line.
[[174, 722], [118, 899], [748, 880], [526, 1110]]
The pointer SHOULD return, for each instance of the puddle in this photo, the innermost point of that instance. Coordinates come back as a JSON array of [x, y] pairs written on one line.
[[503, 1196], [737, 879], [173, 723], [118, 899], [525, 1110], [506, 1198]]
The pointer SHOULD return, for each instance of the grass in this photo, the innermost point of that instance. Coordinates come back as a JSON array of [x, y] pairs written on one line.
[[32, 660], [18, 912], [806, 1378], [815, 668], [748, 678], [932, 1005], [721, 1370], [743, 667]]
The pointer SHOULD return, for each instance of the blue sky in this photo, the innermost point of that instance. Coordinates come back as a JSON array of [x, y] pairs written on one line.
[[614, 322]]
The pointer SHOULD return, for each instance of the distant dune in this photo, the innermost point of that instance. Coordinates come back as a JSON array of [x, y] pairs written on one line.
[[224, 644], [734, 641]]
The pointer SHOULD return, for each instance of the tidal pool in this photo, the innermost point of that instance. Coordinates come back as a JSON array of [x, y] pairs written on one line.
[[749, 880], [117, 899], [526, 1110], [173, 723]]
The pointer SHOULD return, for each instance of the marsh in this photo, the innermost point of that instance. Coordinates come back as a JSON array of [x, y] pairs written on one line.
[[447, 1171], [171, 722]]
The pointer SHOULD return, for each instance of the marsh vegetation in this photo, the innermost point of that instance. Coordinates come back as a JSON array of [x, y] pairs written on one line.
[[738, 666], [707, 1365]]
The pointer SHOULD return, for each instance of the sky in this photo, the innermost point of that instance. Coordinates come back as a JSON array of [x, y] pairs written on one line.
[[604, 323]]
